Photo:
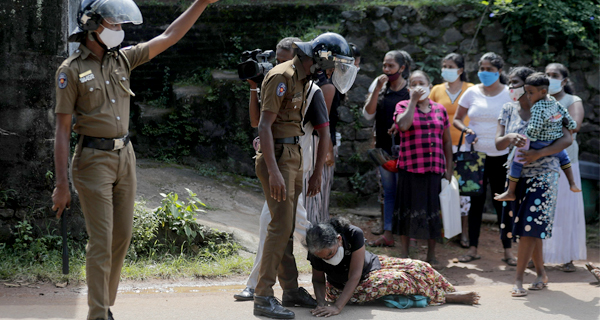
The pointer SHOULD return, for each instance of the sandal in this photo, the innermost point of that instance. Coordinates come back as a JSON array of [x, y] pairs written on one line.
[[567, 267], [538, 285], [518, 292], [381, 242], [595, 271], [510, 261], [468, 258], [464, 243]]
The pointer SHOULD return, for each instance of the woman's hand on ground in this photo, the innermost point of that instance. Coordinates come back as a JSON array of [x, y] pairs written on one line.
[[325, 311], [529, 156]]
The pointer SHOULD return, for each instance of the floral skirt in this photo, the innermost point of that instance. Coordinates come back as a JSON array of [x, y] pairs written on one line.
[[532, 214], [399, 276]]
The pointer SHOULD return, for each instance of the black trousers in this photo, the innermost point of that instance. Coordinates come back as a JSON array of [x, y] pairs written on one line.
[[494, 174]]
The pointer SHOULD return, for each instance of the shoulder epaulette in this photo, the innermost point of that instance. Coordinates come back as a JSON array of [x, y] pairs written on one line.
[[72, 57]]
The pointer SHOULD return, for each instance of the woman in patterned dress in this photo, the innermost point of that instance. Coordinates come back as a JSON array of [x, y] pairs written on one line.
[[343, 271], [530, 217]]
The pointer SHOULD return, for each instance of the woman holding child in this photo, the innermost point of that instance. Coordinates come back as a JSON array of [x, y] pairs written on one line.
[[343, 271], [425, 157], [529, 218], [483, 103]]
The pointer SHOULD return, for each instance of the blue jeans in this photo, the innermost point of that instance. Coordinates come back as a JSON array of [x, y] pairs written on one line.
[[517, 167], [389, 181]]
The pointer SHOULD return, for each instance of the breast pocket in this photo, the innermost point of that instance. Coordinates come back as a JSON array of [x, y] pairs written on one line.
[[121, 78], [91, 97]]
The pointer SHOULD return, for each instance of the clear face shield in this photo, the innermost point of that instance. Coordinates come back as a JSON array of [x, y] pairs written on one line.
[[119, 11], [344, 74]]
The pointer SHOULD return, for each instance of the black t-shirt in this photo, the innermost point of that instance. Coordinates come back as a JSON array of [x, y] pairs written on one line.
[[316, 113], [353, 239], [384, 117], [333, 112]]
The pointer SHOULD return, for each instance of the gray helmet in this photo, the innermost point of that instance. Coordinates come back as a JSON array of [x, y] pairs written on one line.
[[331, 50], [91, 13]]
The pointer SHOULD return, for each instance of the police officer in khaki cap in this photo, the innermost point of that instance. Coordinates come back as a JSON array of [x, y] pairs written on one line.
[[94, 85], [279, 162]]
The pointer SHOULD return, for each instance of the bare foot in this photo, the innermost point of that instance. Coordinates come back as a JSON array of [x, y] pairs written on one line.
[[574, 188], [506, 196], [463, 297]]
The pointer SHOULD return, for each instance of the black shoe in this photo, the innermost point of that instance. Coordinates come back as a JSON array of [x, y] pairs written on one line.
[[110, 317], [298, 297], [246, 295], [271, 307]]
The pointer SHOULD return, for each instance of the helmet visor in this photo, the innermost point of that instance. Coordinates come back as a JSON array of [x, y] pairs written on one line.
[[344, 74], [119, 11]]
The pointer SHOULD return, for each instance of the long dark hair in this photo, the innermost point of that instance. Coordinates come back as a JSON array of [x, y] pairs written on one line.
[[521, 71], [460, 63], [497, 61], [568, 88], [324, 235]]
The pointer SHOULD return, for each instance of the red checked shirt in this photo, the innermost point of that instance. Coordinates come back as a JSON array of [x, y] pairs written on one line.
[[421, 146]]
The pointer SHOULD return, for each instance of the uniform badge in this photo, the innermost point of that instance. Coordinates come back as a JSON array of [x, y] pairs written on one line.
[[281, 88], [62, 80], [86, 76]]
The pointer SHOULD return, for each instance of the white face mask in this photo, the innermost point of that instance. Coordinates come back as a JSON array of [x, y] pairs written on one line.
[[555, 86], [450, 75], [337, 258], [111, 38], [516, 93], [425, 95]]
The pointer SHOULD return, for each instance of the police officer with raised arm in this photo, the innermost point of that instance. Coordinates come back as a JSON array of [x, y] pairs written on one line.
[[94, 85]]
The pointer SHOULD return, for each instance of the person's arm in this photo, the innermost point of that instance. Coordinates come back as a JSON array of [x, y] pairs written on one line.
[[178, 28], [571, 123], [371, 103], [447, 140], [536, 122], [276, 182], [356, 265], [253, 106], [576, 111], [318, 280], [504, 141], [558, 145], [405, 119], [314, 183], [459, 120], [61, 196], [328, 93]]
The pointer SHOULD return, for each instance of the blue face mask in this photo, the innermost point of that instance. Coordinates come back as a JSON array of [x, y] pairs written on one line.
[[488, 78]]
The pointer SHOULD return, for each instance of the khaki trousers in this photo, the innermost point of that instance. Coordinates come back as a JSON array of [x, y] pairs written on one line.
[[106, 183], [278, 258]]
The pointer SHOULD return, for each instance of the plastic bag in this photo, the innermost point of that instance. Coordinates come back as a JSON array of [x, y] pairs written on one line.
[[405, 302], [450, 205]]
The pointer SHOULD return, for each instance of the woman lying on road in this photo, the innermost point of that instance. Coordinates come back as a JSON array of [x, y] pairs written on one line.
[[344, 271]]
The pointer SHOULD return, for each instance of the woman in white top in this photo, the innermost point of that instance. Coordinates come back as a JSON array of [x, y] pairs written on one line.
[[568, 234], [483, 104]]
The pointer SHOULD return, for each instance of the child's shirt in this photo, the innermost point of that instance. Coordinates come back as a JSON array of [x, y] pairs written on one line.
[[546, 120]]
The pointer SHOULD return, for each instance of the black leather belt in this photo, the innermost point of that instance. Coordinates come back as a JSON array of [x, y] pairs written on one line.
[[288, 140], [105, 144]]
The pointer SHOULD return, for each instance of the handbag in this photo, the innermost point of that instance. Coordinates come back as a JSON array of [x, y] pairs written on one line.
[[405, 302], [468, 170], [384, 159], [450, 206]]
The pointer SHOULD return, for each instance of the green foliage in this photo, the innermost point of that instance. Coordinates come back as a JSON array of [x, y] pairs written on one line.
[[537, 23], [357, 181], [165, 94], [7, 195], [144, 233], [178, 216], [431, 64]]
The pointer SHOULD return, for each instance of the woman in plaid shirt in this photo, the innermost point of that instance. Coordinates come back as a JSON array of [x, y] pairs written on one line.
[[425, 157]]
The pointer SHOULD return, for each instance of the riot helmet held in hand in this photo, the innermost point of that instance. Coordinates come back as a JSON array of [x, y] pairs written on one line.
[[331, 50], [91, 13]]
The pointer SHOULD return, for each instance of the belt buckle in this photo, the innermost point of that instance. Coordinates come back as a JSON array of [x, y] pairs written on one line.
[[118, 144]]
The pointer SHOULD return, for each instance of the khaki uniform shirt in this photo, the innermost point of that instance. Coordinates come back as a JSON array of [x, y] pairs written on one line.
[[98, 92], [284, 93]]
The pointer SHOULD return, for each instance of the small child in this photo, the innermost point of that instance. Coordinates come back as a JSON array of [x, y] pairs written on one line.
[[545, 126]]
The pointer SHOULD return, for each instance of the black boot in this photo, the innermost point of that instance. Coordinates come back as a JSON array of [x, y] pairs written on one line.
[[110, 317], [271, 307], [298, 297]]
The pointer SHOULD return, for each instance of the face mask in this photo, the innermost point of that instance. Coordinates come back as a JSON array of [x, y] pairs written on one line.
[[425, 95], [393, 77], [516, 93], [555, 86], [450, 75], [111, 38], [337, 258], [488, 78]]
